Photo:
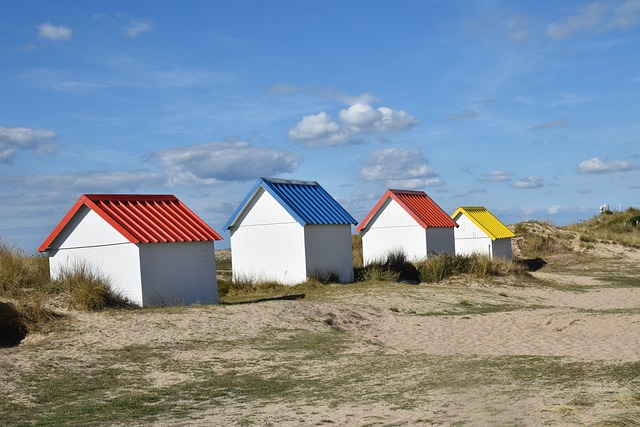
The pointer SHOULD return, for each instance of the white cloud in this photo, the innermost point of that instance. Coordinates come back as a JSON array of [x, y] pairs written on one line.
[[393, 121], [415, 183], [596, 17], [138, 26], [529, 182], [360, 116], [53, 32], [395, 165], [320, 130], [12, 139], [215, 162], [497, 176], [556, 209], [595, 165], [94, 182]]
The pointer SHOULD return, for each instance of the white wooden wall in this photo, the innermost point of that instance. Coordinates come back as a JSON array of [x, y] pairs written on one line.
[[178, 273], [470, 238], [440, 240], [393, 229], [267, 244], [89, 240], [502, 249], [328, 250]]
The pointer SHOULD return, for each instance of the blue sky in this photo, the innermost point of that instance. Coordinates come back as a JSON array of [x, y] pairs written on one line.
[[530, 108]]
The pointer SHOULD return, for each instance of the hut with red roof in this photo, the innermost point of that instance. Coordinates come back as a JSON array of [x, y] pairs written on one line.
[[409, 222], [152, 249]]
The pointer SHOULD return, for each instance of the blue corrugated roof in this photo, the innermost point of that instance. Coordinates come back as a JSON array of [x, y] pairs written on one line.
[[306, 201]]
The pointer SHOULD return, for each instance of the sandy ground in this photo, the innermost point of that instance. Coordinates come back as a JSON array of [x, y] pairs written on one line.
[[577, 320]]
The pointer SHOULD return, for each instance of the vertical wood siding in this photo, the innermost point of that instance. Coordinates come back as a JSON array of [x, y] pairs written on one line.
[[88, 240], [267, 244], [440, 240], [502, 249], [178, 273], [470, 238], [87, 229], [118, 263], [393, 229], [328, 250]]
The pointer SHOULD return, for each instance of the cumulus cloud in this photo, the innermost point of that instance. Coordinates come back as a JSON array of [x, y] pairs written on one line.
[[216, 162], [497, 176], [397, 165], [321, 130], [138, 26], [595, 165], [54, 32], [529, 182], [596, 17], [12, 139]]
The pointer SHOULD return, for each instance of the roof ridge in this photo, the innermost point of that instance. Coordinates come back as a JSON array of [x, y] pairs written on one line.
[[289, 181]]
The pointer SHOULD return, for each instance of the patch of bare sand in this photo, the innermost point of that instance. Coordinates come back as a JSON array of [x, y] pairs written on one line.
[[597, 324]]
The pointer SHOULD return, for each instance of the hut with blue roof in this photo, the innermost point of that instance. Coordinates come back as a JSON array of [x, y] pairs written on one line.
[[288, 231]]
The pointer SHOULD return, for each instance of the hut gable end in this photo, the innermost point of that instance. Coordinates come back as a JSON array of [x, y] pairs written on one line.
[[152, 248], [289, 230]]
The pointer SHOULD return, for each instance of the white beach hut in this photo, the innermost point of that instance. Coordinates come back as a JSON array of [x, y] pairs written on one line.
[[287, 231], [408, 222], [480, 232], [152, 248]]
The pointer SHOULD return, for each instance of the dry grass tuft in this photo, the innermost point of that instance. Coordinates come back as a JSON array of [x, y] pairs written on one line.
[[89, 290], [442, 266], [393, 268], [22, 273], [617, 227]]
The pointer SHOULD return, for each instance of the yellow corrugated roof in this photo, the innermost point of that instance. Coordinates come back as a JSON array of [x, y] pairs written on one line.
[[486, 221]]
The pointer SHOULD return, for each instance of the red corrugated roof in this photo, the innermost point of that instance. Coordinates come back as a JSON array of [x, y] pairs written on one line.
[[425, 211], [142, 218]]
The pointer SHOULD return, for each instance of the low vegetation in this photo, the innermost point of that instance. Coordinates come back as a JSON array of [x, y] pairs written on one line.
[[25, 282], [30, 296], [621, 227], [291, 369]]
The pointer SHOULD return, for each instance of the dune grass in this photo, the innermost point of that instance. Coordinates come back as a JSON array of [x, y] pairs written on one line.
[[622, 227], [26, 285]]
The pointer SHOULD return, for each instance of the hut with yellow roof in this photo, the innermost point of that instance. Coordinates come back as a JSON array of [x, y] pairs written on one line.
[[480, 232]]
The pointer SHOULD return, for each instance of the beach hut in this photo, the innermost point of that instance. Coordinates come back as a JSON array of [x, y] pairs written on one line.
[[408, 222], [152, 248], [480, 232], [287, 231]]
